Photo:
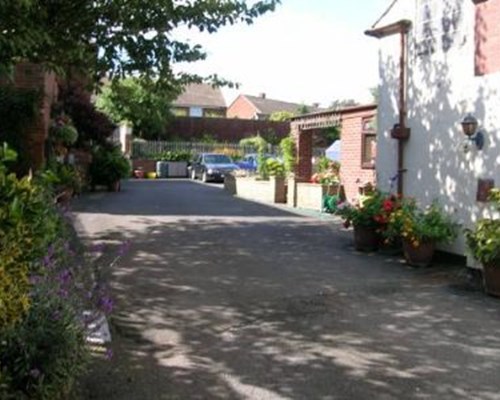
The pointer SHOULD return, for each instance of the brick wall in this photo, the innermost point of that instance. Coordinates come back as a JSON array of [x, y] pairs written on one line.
[[241, 108], [32, 76], [487, 37], [352, 174], [225, 129]]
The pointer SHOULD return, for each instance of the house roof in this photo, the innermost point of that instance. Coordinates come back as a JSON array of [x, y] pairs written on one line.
[[268, 106], [201, 95]]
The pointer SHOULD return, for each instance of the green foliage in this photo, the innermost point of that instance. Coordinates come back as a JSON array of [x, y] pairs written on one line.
[[108, 166], [416, 225], [261, 145], [287, 146], [62, 130], [281, 116], [60, 176], [132, 39], [46, 351], [328, 172], [275, 167], [483, 241], [138, 101], [175, 156], [372, 210], [93, 126]]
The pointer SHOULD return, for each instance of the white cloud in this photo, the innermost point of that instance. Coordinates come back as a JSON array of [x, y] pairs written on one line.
[[293, 56]]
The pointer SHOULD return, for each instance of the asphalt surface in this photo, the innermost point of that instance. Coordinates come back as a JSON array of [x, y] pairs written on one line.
[[222, 298]]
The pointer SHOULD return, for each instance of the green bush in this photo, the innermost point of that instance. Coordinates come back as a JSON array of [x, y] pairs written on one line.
[[175, 156], [483, 241], [45, 285], [108, 166], [275, 167]]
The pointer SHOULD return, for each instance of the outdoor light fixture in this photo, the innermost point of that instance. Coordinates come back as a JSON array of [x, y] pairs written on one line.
[[469, 127]]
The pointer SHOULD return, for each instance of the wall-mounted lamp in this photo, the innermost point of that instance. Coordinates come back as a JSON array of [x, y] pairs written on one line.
[[469, 127]]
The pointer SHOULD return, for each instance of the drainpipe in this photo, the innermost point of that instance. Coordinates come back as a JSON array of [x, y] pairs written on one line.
[[400, 131]]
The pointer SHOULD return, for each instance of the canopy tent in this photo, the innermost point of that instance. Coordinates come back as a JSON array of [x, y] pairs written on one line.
[[333, 152]]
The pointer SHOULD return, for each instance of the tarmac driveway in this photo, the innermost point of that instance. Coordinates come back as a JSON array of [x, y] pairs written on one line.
[[221, 298]]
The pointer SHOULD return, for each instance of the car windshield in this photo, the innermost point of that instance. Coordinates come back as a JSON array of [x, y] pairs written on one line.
[[217, 159]]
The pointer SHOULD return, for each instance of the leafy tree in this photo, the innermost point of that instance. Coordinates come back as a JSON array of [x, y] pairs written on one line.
[[281, 116], [303, 109], [138, 101], [343, 103], [118, 38]]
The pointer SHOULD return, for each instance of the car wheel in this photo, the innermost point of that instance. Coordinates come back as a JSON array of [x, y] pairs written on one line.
[[193, 174], [204, 177]]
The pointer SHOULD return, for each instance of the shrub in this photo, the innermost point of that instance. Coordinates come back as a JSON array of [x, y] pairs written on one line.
[[287, 146], [275, 167], [63, 131], [108, 166], [175, 156], [483, 241], [416, 225]]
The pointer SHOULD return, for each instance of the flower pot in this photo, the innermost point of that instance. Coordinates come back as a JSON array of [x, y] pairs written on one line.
[[114, 187], [138, 173], [491, 278], [419, 256], [366, 238], [64, 197]]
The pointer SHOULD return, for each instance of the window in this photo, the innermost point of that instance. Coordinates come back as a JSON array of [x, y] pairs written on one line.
[[195, 112], [368, 143]]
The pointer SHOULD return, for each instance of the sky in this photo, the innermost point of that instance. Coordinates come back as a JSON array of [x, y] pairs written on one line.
[[307, 51]]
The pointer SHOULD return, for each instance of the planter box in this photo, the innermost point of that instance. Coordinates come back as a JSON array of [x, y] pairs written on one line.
[[177, 169], [270, 191], [310, 195]]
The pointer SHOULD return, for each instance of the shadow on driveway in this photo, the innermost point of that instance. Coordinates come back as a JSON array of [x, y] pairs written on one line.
[[256, 303]]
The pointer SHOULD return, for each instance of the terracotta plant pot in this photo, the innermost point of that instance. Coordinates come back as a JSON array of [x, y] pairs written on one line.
[[491, 278], [138, 174], [366, 238], [114, 187], [420, 256]]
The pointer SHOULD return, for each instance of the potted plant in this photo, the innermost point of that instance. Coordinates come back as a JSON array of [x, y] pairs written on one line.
[[176, 164], [483, 243], [420, 230], [63, 132], [369, 217], [108, 166]]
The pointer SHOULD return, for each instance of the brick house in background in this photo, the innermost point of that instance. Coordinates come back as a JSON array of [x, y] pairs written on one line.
[[260, 107], [357, 149], [452, 62], [200, 100]]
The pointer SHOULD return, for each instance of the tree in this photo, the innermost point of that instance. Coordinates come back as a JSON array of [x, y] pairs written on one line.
[[281, 116], [138, 101], [343, 103], [118, 38]]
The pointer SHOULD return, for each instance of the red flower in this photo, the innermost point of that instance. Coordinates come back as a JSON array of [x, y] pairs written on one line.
[[388, 205]]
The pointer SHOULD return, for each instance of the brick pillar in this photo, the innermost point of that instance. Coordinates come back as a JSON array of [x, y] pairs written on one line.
[[304, 145], [32, 76], [487, 37]]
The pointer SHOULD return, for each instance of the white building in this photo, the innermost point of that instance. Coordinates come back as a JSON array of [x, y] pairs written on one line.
[[452, 59]]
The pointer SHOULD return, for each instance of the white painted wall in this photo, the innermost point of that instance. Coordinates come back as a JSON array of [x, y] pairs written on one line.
[[442, 88]]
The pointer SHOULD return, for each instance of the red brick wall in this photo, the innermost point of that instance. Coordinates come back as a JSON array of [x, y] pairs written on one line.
[[32, 76], [352, 174], [225, 129], [241, 108], [487, 37]]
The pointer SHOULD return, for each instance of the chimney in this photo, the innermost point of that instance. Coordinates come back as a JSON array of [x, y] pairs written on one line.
[[262, 95]]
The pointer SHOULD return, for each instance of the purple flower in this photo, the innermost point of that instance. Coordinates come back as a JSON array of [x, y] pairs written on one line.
[[97, 248], [35, 279], [106, 304], [124, 248], [63, 293], [109, 354], [65, 277], [35, 373]]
